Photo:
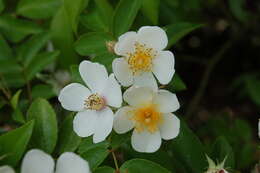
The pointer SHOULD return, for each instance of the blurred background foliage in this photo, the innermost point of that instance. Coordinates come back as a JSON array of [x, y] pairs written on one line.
[[216, 45]]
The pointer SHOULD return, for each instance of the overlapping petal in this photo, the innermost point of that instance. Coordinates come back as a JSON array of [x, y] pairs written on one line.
[[170, 127], [145, 79], [122, 120], [125, 43]]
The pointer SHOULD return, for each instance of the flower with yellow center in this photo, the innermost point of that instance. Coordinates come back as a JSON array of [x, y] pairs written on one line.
[[149, 114], [142, 57], [92, 104]]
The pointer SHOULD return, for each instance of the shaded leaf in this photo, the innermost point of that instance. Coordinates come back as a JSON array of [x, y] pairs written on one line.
[[105, 169], [43, 91], [5, 50], [150, 8]]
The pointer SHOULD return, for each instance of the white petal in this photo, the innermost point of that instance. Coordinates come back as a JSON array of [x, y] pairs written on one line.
[[104, 125], [71, 163], [166, 101], [6, 169], [145, 141], [72, 97], [163, 67], [137, 96], [84, 123], [37, 161], [146, 79], [122, 72], [125, 43], [112, 92], [170, 127], [153, 37], [94, 75], [122, 120]]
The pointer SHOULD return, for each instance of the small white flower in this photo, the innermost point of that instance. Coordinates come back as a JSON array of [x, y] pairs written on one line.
[[213, 168], [6, 169], [37, 161], [149, 113], [141, 55], [94, 114]]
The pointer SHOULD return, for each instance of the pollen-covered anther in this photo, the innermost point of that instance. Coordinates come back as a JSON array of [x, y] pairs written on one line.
[[94, 102], [142, 58]]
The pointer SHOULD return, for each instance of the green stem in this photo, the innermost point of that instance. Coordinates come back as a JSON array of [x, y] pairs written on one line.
[[115, 161]]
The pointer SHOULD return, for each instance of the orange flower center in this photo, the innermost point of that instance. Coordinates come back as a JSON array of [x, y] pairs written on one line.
[[147, 117], [142, 59], [94, 102]]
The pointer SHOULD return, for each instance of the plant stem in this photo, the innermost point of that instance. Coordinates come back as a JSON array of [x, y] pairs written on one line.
[[115, 161], [205, 79]]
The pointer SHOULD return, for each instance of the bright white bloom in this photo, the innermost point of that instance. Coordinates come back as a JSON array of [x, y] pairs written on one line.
[[37, 161], [94, 114], [149, 113], [142, 55], [213, 168], [6, 169]]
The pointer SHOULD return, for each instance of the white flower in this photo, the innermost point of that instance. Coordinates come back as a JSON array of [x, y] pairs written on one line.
[[6, 169], [94, 114], [149, 113], [213, 168], [37, 161], [141, 55]]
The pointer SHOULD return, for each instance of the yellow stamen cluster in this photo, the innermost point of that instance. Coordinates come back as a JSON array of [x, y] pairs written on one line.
[[142, 59], [147, 117], [94, 102]]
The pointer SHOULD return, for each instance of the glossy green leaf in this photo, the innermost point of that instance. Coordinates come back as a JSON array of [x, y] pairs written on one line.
[[73, 10], [222, 150], [63, 40], [31, 47], [188, 149], [14, 143], [14, 100], [105, 169], [176, 84], [37, 9], [45, 130], [17, 29], [68, 139], [177, 31], [18, 116], [105, 11], [125, 14], [39, 62], [43, 91], [150, 8], [141, 165], [92, 43], [5, 50], [75, 76], [95, 154]]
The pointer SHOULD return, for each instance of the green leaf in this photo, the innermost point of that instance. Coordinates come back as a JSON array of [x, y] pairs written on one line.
[[105, 169], [45, 131], [9, 66], [39, 62], [92, 43], [14, 143], [73, 10], [43, 91], [14, 100], [68, 139], [5, 50], [106, 59], [150, 8], [252, 86], [176, 84], [221, 150], [37, 9], [31, 47], [125, 14], [237, 7], [177, 31], [2, 6], [18, 116], [118, 139], [188, 149], [141, 165], [63, 40], [105, 11], [74, 70], [95, 154], [17, 29]]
